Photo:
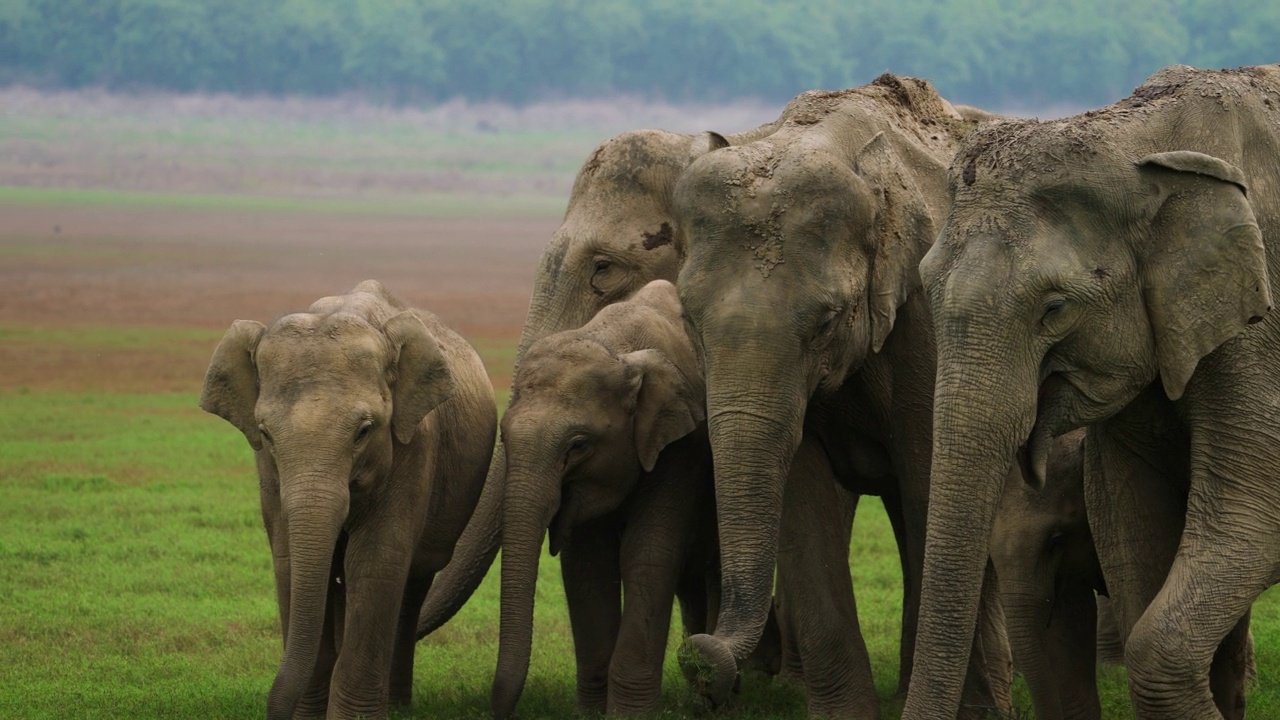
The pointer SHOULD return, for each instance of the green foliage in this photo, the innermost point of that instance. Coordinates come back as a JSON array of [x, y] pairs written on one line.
[[992, 52]]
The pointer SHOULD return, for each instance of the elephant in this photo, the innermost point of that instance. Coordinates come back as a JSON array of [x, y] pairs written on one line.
[[1048, 574], [1048, 571], [801, 292], [1114, 270], [618, 234], [372, 426], [606, 452]]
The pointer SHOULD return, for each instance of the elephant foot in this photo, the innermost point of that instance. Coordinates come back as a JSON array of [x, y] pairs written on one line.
[[710, 667]]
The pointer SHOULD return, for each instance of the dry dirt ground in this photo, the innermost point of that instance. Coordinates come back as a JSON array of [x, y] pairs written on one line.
[[66, 269]]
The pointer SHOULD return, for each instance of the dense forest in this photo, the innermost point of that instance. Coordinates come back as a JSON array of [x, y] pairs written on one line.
[[998, 53]]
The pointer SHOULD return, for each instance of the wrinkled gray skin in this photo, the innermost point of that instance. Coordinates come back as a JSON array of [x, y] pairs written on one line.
[[606, 451], [372, 425], [618, 234], [1048, 573], [1115, 270], [802, 295]]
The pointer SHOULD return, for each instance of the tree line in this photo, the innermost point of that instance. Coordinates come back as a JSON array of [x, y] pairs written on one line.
[[997, 53]]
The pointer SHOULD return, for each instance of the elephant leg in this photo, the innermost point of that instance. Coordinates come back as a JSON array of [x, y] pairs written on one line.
[[659, 529], [691, 593], [1110, 647], [1072, 650], [1232, 670], [792, 667], [415, 592], [1225, 560], [589, 567], [910, 590], [375, 570], [315, 699], [699, 587], [816, 591], [1135, 499]]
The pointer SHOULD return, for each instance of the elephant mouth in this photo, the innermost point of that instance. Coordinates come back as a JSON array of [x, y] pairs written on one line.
[[1023, 460], [558, 533]]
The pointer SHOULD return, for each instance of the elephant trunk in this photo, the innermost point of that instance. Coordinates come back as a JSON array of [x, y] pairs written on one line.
[[753, 441], [315, 506], [550, 307], [478, 545], [1027, 616], [984, 410], [530, 505], [474, 554]]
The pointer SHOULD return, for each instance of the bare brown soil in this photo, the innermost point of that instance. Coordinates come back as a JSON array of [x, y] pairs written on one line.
[[79, 266]]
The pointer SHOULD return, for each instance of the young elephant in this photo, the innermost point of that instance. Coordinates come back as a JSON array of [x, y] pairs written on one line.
[[372, 425], [606, 449], [1048, 573]]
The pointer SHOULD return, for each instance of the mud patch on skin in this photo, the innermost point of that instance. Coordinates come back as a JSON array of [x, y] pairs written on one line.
[[970, 174], [664, 236], [593, 162], [769, 255], [1146, 94]]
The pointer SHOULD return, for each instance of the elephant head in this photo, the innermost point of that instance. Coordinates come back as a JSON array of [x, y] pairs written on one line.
[[589, 416], [1075, 268], [1048, 571], [619, 230], [324, 397], [618, 233], [800, 249]]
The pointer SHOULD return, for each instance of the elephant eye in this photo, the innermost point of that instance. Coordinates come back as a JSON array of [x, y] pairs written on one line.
[[577, 444], [363, 432], [1053, 309], [1056, 540], [828, 323], [266, 435], [606, 278]]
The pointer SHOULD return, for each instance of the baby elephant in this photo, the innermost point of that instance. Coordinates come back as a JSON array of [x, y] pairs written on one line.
[[1048, 573], [606, 448], [373, 426]]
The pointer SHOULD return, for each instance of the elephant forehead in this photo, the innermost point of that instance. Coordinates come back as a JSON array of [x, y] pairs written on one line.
[[568, 369], [299, 349]]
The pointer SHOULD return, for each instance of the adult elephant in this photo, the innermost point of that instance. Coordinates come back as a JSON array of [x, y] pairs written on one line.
[[618, 235], [1115, 269], [801, 291]]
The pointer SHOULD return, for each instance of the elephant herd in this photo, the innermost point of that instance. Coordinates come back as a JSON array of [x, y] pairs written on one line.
[[1045, 345]]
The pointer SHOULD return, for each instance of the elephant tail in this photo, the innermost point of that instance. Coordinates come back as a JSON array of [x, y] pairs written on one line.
[[472, 556]]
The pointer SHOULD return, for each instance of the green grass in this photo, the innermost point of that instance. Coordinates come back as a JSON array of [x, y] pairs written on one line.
[[432, 205], [135, 578]]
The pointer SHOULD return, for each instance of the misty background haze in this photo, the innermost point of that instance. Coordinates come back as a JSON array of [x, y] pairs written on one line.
[[1001, 54]]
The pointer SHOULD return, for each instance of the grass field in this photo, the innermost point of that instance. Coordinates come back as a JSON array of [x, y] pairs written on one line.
[[135, 578]]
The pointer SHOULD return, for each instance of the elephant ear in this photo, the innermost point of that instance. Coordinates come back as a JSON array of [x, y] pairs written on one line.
[[231, 382], [668, 405], [705, 142], [380, 291], [422, 376], [902, 222], [1204, 269]]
